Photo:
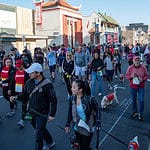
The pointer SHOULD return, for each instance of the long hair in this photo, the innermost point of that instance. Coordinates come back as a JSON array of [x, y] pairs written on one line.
[[6, 57], [84, 85]]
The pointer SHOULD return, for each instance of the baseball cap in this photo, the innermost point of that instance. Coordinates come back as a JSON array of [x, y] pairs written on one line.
[[35, 67], [19, 63], [136, 57]]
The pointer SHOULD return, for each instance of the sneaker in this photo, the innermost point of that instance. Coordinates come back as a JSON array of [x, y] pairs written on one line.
[[148, 80], [116, 76], [99, 94], [47, 147], [21, 123], [10, 113], [134, 115], [140, 117], [27, 116]]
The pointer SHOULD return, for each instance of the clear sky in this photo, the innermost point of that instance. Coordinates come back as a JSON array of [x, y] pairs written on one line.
[[124, 11]]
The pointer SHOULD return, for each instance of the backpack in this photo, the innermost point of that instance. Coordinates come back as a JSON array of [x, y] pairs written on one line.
[[94, 111], [86, 128]]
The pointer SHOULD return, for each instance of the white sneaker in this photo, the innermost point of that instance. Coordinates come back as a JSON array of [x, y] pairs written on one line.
[[99, 94], [116, 76], [21, 123], [11, 113], [148, 80]]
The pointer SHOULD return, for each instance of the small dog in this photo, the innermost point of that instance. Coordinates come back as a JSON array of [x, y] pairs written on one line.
[[108, 99], [121, 78]]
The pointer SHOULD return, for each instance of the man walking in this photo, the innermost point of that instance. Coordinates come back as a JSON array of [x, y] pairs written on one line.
[[42, 104], [137, 75]]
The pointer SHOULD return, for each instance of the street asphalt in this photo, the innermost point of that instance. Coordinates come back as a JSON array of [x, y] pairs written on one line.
[[117, 128]]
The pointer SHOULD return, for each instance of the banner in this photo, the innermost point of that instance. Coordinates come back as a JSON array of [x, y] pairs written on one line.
[[38, 13]]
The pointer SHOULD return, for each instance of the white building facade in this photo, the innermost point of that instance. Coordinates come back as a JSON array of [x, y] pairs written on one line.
[[99, 29]]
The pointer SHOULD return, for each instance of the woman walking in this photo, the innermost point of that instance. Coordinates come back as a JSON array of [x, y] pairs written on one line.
[[81, 107], [6, 74], [68, 71]]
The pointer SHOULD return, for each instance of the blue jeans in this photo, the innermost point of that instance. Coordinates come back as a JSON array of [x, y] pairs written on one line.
[[137, 93], [41, 132], [95, 76]]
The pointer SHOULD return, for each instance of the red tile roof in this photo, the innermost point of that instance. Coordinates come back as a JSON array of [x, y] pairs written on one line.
[[59, 3]]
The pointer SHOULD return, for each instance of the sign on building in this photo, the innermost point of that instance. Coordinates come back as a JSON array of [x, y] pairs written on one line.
[[38, 14], [38, 11]]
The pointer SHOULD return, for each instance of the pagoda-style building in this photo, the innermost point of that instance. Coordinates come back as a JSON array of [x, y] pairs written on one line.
[[61, 22]]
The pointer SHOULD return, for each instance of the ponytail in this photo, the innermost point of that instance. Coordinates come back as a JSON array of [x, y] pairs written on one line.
[[87, 89], [84, 85]]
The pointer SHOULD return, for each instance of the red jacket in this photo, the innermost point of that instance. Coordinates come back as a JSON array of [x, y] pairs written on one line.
[[140, 72]]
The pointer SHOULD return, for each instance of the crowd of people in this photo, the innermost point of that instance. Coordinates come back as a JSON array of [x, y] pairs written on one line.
[[80, 69]]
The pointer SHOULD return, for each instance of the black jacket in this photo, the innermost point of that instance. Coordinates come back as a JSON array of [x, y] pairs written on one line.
[[96, 63], [90, 105], [42, 100], [68, 67]]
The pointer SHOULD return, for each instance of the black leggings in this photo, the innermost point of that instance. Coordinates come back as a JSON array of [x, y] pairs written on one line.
[[118, 68], [109, 75], [41, 132], [7, 97], [24, 110], [84, 141], [68, 84]]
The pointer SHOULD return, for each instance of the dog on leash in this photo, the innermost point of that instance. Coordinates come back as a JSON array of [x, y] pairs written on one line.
[[108, 99]]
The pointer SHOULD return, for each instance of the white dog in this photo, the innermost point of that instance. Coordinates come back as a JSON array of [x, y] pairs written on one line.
[[108, 99]]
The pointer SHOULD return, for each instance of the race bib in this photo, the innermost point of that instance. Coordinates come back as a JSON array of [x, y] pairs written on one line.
[[136, 81], [18, 88]]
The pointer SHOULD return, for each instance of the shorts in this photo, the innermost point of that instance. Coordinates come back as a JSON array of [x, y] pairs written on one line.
[[52, 68], [80, 71]]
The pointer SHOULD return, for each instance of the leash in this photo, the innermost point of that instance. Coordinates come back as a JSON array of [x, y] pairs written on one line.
[[29, 116], [100, 129]]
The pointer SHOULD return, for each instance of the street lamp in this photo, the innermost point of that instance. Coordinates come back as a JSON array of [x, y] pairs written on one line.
[[23, 40]]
